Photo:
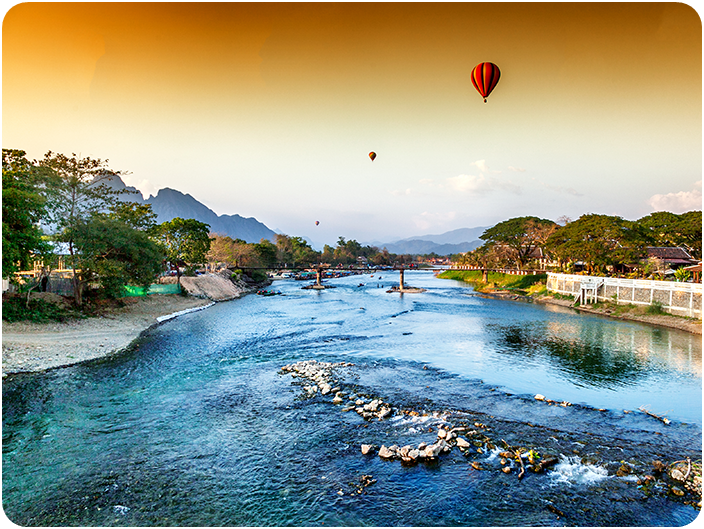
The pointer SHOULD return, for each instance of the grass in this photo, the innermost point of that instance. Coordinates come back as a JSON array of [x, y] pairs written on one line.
[[528, 285]]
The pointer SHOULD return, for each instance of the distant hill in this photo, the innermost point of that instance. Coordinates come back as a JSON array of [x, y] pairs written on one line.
[[170, 203], [448, 243], [418, 246]]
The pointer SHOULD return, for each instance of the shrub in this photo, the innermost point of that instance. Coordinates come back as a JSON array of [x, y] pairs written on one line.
[[655, 308], [258, 275], [16, 308]]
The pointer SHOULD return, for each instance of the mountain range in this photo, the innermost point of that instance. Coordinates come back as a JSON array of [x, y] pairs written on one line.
[[448, 243], [170, 203]]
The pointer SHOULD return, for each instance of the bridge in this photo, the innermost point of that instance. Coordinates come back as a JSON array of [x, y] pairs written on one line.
[[401, 268], [319, 269]]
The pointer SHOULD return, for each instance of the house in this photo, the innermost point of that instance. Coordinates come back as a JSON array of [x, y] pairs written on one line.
[[674, 256]]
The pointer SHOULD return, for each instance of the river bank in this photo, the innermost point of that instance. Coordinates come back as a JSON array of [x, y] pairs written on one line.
[[610, 310], [532, 289], [34, 347]]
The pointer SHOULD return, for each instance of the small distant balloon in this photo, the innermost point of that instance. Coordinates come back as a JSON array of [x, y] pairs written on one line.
[[317, 222], [485, 76], [372, 155]]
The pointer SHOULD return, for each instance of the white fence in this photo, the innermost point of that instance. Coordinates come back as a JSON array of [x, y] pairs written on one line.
[[682, 299]]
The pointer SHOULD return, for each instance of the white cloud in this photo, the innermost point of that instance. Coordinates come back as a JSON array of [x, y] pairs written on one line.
[[516, 169], [471, 183], [483, 167], [678, 202]]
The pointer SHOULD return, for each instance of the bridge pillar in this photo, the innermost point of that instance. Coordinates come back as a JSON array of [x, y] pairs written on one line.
[[400, 287], [317, 277]]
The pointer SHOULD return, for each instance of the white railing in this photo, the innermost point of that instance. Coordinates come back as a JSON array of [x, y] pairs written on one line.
[[684, 299]]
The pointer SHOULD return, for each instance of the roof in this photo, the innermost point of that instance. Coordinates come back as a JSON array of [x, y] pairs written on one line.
[[669, 253], [694, 268]]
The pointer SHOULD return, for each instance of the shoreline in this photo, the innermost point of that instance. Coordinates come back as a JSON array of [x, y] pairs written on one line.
[[36, 347], [660, 320]]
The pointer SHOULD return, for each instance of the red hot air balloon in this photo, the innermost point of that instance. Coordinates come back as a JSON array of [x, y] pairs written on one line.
[[317, 222], [372, 155], [484, 78]]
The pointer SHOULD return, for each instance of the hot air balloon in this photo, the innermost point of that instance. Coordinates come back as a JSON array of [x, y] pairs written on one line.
[[484, 78], [317, 222], [372, 155]]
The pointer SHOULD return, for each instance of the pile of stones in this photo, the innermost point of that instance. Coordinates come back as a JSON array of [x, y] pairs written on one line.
[[321, 378], [447, 439], [321, 375]]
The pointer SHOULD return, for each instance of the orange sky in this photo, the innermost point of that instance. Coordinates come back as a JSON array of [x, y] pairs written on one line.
[[248, 106]]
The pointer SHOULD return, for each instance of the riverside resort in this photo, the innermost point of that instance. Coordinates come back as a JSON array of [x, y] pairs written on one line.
[[401, 265]]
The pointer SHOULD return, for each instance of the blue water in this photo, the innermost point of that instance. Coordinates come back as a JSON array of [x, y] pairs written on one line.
[[197, 425]]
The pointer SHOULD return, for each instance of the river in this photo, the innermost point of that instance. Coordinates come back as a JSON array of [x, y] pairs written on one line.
[[197, 425]]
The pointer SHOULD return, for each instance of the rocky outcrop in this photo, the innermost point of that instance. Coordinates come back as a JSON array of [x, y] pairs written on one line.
[[215, 287]]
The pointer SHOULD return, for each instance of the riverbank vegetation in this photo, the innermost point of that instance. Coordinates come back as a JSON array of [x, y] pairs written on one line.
[[62, 219], [526, 285], [596, 244], [61, 216]]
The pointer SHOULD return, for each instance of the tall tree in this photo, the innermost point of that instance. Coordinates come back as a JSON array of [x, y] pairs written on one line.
[[23, 207], [139, 216], [76, 190], [670, 229], [599, 241], [522, 235], [115, 254], [266, 251], [185, 241]]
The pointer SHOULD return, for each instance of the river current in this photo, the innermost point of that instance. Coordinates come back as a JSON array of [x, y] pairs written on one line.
[[197, 425]]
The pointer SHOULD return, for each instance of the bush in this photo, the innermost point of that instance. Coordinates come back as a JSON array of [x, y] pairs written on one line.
[[258, 276], [15, 308], [521, 284], [655, 308]]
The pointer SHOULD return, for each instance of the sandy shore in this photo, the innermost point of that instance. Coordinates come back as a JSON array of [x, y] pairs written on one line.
[[31, 347]]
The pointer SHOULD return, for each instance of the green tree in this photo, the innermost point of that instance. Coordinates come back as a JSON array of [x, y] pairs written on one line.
[[266, 252], [670, 229], [328, 254], [599, 241], [23, 207], [303, 253], [76, 190], [185, 241], [284, 249], [521, 235], [114, 254], [139, 216]]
